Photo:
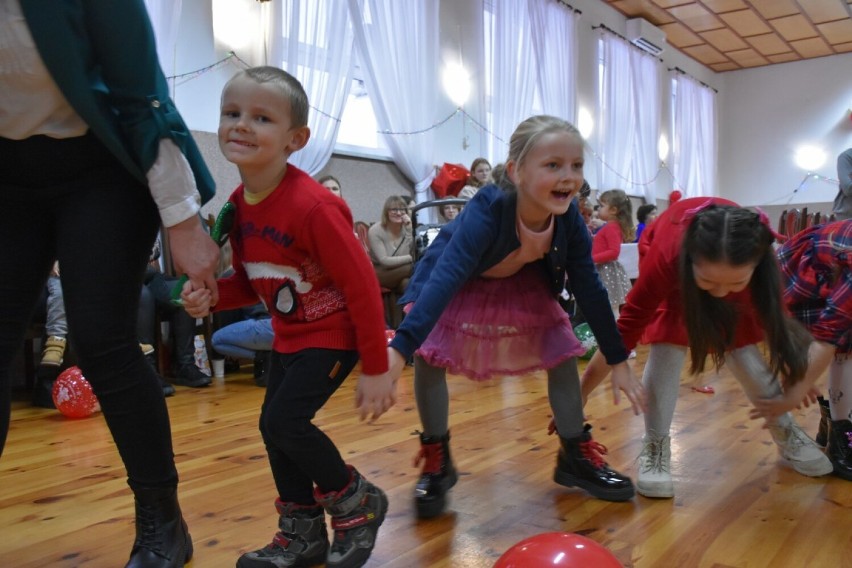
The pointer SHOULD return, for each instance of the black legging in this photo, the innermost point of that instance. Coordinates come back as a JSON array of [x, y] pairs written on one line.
[[70, 200]]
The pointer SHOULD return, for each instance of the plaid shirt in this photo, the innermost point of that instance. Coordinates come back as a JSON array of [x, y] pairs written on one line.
[[817, 263]]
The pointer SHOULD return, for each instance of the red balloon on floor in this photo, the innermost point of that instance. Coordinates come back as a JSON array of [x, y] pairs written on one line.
[[567, 550], [72, 394]]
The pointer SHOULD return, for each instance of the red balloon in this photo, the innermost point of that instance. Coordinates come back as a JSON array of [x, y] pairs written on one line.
[[72, 394], [389, 335], [568, 550]]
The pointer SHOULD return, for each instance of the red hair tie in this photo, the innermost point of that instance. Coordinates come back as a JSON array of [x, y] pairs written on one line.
[[764, 218]]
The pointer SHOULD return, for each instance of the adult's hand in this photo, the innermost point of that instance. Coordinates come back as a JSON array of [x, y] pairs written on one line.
[[195, 254]]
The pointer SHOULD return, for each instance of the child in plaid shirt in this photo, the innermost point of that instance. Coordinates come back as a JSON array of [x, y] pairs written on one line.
[[817, 263]]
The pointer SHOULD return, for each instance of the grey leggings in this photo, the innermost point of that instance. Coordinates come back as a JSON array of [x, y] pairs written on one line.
[[662, 379], [433, 401]]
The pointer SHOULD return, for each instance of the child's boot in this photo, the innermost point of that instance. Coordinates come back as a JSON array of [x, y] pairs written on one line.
[[54, 351], [824, 422], [302, 540], [655, 477], [162, 538], [437, 477], [580, 463], [357, 511], [840, 448]]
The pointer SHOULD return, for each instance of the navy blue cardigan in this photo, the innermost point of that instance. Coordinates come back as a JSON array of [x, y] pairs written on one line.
[[479, 238]]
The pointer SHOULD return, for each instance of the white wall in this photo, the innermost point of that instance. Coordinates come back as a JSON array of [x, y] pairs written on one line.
[[767, 112]]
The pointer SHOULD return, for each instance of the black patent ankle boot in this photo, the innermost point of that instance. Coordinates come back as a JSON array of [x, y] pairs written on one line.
[[437, 477], [824, 422], [580, 463], [162, 538], [840, 448]]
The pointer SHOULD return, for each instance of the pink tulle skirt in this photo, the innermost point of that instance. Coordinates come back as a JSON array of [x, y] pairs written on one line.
[[502, 326]]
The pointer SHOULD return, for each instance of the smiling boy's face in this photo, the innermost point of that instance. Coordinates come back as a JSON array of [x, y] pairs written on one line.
[[255, 127]]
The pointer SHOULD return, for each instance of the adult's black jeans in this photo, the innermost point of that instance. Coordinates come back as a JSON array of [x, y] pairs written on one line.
[[71, 200]]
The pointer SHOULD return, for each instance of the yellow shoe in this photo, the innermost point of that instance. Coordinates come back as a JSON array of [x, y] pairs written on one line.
[[53, 352]]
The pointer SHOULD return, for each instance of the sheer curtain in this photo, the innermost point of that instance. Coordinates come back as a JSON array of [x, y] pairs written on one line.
[[554, 39], [313, 41], [511, 77], [646, 74], [398, 47], [628, 118], [165, 18], [694, 142]]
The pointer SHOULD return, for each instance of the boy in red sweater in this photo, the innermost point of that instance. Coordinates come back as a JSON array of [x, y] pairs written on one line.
[[293, 247]]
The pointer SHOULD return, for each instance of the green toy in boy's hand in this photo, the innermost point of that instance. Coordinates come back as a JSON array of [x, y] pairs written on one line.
[[219, 234]]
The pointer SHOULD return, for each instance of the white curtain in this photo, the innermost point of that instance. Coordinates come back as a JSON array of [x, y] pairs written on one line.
[[165, 18], [616, 119], [554, 39], [628, 118], [646, 74], [694, 142], [512, 76], [398, 46], [313, 41]]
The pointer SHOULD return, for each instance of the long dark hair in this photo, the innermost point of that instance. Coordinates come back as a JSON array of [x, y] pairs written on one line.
[[736, 236]]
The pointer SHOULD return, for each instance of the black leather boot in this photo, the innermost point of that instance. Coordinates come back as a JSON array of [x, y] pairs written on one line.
[[824, 422], [840, 448], [162, 538], [43, 388], [437, 477], [580, 463], [301, 541]]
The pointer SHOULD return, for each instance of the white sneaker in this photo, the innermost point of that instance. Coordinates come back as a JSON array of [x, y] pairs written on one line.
[[795, 446], [655, 478]]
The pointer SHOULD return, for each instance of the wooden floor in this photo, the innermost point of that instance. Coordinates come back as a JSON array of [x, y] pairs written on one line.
[[64, 501]]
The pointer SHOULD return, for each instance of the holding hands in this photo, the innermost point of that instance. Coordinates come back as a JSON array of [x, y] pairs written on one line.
[[375, 394]]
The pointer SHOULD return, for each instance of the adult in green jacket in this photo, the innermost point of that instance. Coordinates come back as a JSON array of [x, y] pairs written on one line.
[[94, 157]]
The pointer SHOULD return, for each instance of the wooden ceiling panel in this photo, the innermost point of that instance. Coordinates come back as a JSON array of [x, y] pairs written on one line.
[[775, 8], [821, 11], [746, 23], [724, 40], [736, 34], [769, 44], [696, 17], [814, 47], [795, 27], [837, 32]]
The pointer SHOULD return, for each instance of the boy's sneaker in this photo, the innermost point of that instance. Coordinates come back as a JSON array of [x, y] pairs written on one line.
[[53, 352], [654, 478], [357, 511], [795, 446], [302, 540]]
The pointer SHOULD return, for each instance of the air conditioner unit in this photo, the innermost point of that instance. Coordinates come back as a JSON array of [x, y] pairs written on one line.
[[645, 35]]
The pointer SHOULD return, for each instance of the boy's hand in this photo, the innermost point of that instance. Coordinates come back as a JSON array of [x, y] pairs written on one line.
[[623, 379], [196, 302], [375, 395]]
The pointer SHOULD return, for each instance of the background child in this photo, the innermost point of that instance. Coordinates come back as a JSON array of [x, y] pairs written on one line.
[[645, 215], [710, 282], [617, 211], [485, 304], [289, 237], [817, 263]]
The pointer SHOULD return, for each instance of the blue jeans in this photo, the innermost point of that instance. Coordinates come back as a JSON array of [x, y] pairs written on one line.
[[243, 338], [56, 324]]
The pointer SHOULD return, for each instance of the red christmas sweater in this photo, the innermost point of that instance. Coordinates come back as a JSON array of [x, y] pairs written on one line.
[[297, 252], [653, 312]]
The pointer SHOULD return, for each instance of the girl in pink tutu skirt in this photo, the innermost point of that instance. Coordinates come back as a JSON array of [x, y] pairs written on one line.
[[483, 302]]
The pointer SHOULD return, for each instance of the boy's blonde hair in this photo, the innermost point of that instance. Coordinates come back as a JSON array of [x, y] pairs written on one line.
[[290, 87]]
